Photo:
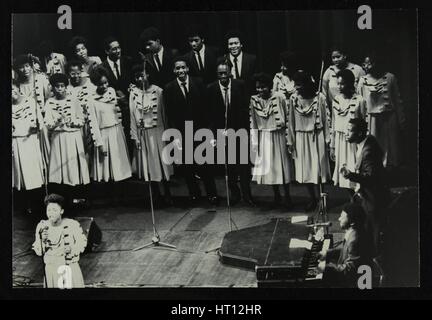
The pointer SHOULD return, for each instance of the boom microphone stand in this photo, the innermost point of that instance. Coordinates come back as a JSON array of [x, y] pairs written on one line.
[[155, 240]]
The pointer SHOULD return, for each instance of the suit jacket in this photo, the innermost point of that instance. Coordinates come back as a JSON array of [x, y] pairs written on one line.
[[166, 74], [371, 176], [208, 75], [355, 251], [248, 69], [123, 82], [238, 110], [178, 109]]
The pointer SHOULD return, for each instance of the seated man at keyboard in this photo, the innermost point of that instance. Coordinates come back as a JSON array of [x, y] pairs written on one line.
[[355, 250]]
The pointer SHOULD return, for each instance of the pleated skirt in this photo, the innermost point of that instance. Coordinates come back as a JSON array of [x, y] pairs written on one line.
[[148, 162], [273, 166], [56, 279], [27, 163], [307, 162], [345, 154], [384, 126], [116, 165], [68, 163]]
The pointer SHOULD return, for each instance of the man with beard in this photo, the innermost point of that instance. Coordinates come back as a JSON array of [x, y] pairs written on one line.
[[184, 101]]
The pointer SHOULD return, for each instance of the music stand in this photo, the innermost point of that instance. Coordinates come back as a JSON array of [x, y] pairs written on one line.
[[155, 240]]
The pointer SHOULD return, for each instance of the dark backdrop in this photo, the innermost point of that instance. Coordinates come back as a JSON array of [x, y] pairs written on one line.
[[266, 34]]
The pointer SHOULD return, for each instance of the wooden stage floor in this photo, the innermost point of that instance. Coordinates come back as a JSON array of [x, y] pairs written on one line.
[[192, 230]]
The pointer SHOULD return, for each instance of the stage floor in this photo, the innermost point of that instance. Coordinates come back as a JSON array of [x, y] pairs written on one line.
[[192, 230]]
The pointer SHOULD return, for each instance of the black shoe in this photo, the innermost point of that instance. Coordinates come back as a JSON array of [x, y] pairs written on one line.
[[311, 206], [213, 200]]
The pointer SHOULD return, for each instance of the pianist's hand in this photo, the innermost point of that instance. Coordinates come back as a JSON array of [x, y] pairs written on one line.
[[322, 255]]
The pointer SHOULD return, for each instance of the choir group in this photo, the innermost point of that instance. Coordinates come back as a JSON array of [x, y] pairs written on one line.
[[83, 119]]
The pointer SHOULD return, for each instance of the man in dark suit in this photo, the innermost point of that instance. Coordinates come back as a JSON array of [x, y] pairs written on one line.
[[119, 68], [371, 190], [242, 64], [160, 59], [202, 58], [343, 262], [229, 94], [184, 101]]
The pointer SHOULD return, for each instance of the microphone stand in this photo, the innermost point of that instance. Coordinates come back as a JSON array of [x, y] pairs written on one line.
[[155, 240], [42, 256], [321, 212], [230, 220], [40, 132]]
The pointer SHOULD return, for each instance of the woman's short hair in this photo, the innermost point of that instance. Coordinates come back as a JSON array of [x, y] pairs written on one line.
[[97, 73], [355, 214], [348, 77], [58, 78], [54, 198]]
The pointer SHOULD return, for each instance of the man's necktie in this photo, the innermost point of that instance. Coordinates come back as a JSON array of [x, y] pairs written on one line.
[[185, 90], [116, 70], [237, 74], [158, 62], [200, 63], [226, 99]]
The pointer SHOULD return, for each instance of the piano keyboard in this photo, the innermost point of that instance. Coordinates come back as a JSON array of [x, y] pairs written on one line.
[[314, 264]]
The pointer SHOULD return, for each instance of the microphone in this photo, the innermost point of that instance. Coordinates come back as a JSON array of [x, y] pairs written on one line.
[[42, 229], [320, 224]]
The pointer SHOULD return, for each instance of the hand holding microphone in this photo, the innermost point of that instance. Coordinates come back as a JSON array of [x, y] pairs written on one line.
[[44, 232]]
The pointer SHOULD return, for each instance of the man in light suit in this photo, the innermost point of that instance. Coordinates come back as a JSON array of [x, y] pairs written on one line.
[[242, 64], [371, 190], [342, 263]]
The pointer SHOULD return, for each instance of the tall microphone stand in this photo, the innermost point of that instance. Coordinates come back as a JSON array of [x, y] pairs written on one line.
[[230, 220], [321, 212], [42, 256], [155, 240], [40, 132]]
